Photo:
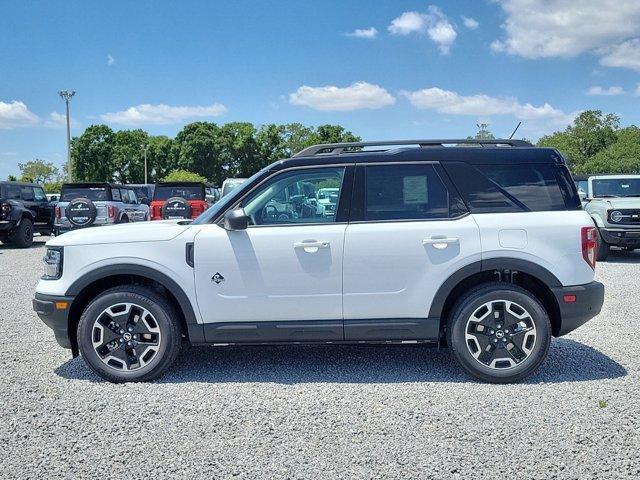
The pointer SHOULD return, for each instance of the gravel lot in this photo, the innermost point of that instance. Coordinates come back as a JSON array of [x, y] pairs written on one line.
[[321, 412]]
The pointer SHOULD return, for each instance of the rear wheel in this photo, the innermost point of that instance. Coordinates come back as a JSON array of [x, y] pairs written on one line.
[[22, 237], [129, 334], [603, 248], [499, 333]]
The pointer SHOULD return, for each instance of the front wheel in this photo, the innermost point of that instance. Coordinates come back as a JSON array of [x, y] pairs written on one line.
[[499, 333], [22, 237], [129, 334]]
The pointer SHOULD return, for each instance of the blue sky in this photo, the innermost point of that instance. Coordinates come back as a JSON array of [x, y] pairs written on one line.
[[403, 69]]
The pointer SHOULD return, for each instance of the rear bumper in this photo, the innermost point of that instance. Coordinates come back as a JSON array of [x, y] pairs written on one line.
[[588, 303], [50, 310], [621, 237]]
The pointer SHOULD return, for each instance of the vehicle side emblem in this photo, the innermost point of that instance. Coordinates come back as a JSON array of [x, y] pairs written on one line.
[[217, 278]]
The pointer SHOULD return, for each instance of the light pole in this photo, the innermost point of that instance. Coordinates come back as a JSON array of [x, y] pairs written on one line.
[[66, 95], [144, 149]]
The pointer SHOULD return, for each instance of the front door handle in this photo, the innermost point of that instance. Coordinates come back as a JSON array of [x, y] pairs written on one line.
[[441, 242], [311, 246]]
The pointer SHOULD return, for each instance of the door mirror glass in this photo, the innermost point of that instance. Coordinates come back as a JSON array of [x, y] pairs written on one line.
[[236, 219]]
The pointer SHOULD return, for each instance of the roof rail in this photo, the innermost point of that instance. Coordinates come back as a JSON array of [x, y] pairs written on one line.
[[354, 147]]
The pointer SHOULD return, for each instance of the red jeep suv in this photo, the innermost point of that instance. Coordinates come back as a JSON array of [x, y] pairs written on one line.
[[174, 200]]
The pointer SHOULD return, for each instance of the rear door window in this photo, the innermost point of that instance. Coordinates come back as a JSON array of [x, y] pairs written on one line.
[[115, 194], [13, 192], [404, 192]]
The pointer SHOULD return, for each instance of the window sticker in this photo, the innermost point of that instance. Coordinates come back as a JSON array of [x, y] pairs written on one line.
[[415, 190]]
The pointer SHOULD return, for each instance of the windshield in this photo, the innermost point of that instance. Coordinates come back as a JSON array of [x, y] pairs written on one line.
[[616, 187], [97, 194], [188, 192]]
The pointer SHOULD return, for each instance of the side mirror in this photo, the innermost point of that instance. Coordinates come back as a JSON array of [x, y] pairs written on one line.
[[236, 219], [582, 195]]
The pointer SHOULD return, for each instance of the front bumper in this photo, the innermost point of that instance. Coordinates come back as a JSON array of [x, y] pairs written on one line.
[[6, 226], [621, 237], [588, 303], [53, 310]]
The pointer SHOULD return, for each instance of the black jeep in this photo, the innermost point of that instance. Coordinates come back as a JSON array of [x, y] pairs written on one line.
[[24, 209]]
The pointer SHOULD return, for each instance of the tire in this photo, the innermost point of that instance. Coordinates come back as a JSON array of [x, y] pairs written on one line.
[[523, 351], [155, 337], [22, 236], [603, 249], [124, 219]]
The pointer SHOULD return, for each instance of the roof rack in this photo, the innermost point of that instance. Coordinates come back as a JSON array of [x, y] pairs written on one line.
[[355, 147]]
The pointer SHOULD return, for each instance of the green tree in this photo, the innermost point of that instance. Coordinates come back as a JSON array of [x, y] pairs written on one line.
[[38, 171], [184, 176], [160, 158], [128, 155], [483, 133], [92, 155], [197, 148], [12, 178], [591, 132], [297, 137], [334, 134], [623, 156]]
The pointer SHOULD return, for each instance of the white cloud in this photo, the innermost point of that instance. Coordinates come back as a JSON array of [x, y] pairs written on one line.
[[16, 115], [626, 55], [609, 91], [369, 33], [637, 92], [452, 103], [161, 114], [110, 60], [330, 98], [566, 28], [434, 24], [470, 23]]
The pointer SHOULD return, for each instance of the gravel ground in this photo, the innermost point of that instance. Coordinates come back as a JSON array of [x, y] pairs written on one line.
[[321, 412]]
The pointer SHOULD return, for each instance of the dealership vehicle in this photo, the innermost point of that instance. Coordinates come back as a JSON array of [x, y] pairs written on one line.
[[24, 209], [327, 199], [178, 200], [143, 191], [613, 201], [84, 205], [230, 184], [486, 249]]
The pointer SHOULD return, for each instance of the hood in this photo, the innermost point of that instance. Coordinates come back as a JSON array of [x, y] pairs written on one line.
[[156, 231], [622, 202]]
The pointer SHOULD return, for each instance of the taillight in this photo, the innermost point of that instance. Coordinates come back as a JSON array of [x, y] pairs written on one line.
[[57, 212], [111, 211], [589, 245], [5, 208]]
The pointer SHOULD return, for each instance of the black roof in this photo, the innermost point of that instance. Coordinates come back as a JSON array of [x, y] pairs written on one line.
[[95, 185], [22, 184], [180, 184], [470, 151]]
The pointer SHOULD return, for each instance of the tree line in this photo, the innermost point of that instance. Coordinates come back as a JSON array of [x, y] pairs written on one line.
[[214, 152]]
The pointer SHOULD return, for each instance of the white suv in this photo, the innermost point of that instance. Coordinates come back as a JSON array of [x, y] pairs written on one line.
[[485, 248]]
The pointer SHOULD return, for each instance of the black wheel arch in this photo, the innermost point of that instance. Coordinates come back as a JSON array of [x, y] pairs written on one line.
[[101, 279], [531, 276]]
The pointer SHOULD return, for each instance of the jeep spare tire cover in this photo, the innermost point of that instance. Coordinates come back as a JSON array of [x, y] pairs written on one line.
[[81, 212], [176, 208]]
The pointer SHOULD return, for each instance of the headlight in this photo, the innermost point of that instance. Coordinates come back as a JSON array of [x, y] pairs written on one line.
[[52, 264], [616, 216]]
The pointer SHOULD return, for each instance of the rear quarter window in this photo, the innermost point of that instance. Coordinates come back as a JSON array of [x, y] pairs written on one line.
[[501, 188]]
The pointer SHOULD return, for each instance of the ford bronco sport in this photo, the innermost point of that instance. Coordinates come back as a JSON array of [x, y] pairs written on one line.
[[431, 241], [24, 208], [613, 201], [178, 200], [84, 205]]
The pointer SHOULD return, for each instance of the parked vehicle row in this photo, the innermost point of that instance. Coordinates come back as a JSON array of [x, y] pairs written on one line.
[[613, 201], [487, 249]]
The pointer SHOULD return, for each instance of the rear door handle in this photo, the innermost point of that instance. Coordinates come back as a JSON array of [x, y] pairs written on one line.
[[441, 242], [311, 246]]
